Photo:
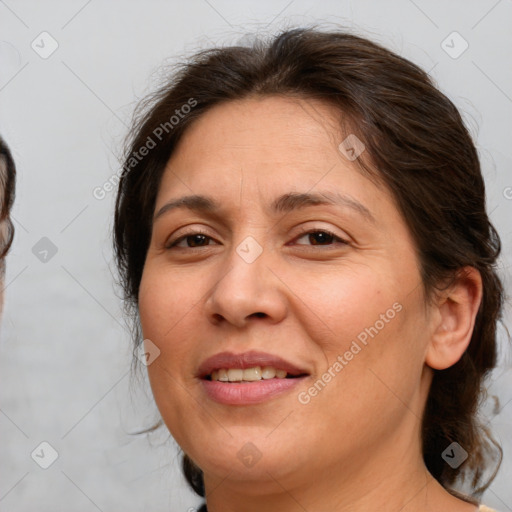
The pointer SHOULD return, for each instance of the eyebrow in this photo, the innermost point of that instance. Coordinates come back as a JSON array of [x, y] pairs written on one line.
[[283, 204]]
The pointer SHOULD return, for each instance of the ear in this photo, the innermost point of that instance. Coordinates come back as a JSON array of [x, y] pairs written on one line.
[[456, 311]]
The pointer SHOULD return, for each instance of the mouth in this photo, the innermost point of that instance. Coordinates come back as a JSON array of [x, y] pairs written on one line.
[[254, 374], [248, 378]]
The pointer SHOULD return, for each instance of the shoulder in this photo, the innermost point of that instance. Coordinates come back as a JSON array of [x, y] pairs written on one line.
[[483, 508]]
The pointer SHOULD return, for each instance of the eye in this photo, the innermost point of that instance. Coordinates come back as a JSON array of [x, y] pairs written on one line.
[[320, 237], [196, 239], [190, 240]]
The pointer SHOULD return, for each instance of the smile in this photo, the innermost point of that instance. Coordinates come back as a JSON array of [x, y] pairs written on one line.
[[248, 378], [249, 374]]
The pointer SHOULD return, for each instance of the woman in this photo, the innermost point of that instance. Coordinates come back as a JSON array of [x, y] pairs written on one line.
[[301, 232], [7, 192]]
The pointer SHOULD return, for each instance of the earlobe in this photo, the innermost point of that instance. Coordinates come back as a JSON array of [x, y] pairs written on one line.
[[457, 308]]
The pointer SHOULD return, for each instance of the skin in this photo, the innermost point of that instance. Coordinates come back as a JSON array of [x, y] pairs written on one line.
[[356, 445]]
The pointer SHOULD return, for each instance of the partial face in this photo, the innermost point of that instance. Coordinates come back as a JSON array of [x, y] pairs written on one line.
[[3, 225], [293, 254]]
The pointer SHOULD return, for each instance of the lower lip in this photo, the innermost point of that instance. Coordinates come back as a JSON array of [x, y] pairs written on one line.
[[249, 392]]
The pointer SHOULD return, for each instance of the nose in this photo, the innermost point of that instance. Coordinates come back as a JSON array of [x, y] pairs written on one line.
[[246, 291]]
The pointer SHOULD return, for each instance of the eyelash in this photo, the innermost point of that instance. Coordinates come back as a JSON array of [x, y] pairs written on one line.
[[303, 232], [306, 231]]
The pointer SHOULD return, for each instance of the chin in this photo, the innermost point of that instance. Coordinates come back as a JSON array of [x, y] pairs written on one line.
[[244, 460]]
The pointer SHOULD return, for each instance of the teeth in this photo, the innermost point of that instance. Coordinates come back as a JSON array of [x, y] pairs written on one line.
[[251, 374], [235, 375], [247, 375], [268, 372]]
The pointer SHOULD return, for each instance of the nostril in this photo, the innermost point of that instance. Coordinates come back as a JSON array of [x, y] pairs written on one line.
[[259, 315]]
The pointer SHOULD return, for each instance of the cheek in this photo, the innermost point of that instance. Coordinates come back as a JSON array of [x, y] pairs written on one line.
[[369, 327], [345, 301], [164, 301], [166, 309], [379, 364]]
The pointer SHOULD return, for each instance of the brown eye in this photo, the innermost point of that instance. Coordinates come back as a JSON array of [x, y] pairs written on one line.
[[190, 240], [197, 240], [320, 237]]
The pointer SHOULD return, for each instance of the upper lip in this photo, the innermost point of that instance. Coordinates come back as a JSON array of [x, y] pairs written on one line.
[[246, 360]]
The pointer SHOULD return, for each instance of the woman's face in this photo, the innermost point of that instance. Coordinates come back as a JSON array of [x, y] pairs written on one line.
[[345, 311]]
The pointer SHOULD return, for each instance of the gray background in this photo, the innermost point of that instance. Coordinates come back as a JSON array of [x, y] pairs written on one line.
[[64, 350]]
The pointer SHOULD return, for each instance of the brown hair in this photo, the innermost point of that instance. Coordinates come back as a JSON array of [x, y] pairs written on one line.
[[416, 144], [7, 193]]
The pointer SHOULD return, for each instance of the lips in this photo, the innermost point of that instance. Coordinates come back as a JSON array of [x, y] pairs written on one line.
[[243, 393], [246, 360]]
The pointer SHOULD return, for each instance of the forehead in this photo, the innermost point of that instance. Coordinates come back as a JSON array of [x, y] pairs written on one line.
[[259, 148], [275, 123]]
